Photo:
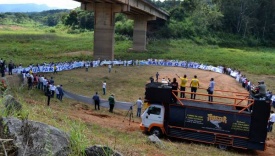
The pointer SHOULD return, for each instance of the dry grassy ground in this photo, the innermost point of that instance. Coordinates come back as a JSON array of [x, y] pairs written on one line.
[[127, 83]]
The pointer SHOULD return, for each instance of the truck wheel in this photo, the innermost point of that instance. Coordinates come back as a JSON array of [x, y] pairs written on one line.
[[156, 131], [222, 147]]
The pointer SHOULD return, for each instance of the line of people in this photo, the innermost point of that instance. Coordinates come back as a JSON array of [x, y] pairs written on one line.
[[194, 85]]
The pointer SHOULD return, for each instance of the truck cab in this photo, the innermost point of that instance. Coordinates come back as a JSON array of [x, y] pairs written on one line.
[[152, 119]]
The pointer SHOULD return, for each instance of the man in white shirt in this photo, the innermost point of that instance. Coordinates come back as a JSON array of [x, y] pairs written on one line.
[[110, 68], [52, 88], [271, 121], [41, 80], [104, 87], [139, 106]]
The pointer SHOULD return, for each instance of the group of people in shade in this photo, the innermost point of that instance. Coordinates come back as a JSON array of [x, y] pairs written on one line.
[[43, 83], [3, 67], [194, 85]]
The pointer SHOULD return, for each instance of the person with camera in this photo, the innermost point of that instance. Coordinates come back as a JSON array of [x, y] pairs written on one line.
[[139, 106]]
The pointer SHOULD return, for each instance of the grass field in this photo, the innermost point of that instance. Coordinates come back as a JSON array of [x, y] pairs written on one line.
[[36, 46], [88, 127]]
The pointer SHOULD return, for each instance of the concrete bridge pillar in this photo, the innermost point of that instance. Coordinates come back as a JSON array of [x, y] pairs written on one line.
[[104, 31], [140, 30]]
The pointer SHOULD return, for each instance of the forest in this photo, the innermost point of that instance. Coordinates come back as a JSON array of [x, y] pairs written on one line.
[[233, 23]]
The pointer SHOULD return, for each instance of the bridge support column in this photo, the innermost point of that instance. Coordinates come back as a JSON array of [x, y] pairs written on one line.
[[104, 31], [139, 34]]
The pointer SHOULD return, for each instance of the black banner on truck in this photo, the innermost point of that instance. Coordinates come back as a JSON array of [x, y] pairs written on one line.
[[214, 121]]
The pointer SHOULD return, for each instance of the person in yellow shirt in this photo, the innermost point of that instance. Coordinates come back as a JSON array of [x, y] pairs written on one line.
[[183, 85], [194, 86]]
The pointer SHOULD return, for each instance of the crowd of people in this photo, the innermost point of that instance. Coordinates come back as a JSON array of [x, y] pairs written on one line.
[[44, 84], [39, 81]]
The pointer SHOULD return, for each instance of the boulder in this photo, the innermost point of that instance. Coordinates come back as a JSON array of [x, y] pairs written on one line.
[[11, 104], [154, 139], [99, 150], [35, 138]]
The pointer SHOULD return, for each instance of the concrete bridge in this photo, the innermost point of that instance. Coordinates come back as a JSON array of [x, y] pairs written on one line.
[[140, 11]]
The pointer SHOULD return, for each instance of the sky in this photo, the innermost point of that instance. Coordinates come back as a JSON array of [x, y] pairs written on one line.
[[64, 4]]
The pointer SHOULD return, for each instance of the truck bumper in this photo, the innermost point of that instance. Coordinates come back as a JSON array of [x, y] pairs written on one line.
[[142, 127]]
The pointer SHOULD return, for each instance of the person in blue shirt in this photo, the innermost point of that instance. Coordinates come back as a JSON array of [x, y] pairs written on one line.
[[96, 100], [211, 90]]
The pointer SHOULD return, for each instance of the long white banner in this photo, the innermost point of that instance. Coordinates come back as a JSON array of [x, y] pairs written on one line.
[[78, 64]]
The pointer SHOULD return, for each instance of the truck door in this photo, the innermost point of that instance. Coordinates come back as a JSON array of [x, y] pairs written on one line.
[[154, 114]]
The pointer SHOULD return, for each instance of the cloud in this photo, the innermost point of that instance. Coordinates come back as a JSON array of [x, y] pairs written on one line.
[[66, 4]]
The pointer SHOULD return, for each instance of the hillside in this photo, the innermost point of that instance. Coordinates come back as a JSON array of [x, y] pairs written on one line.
[[29, 7]]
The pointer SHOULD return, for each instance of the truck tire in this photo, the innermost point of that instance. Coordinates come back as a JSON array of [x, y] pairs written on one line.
[[157, 131]]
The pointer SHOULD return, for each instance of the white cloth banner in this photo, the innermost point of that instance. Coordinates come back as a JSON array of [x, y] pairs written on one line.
[[78, 64]]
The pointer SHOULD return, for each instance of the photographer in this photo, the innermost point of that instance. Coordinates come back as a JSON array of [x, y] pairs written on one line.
[[139, 107]]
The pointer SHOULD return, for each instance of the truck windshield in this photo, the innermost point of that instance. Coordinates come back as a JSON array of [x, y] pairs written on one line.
[[154, 110]]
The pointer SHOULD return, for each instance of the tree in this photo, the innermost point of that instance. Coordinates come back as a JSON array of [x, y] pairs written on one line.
[[72, 20]]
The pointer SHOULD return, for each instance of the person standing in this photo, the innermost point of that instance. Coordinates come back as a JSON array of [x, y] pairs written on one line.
[[10, 67], [175, 86], [271, 121], [104, 87], [57, 92], [48, 94], [96, 100], [211, 90], [157, 76], [61, 92], [52, 88], [111, 103], [87, 66], [139, 106], [110, 68], [194, 86], [183, 85], [54, 69]]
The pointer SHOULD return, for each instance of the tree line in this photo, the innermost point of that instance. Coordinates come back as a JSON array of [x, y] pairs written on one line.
[[229, 22]]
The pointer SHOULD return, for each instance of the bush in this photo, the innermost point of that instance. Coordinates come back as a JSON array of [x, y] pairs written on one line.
[[73, 31]]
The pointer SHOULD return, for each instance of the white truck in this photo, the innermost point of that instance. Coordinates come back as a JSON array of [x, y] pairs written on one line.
[[226, 125]]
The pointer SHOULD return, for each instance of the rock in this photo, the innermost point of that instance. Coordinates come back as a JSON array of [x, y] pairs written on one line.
[[99, 150], [154, 139], [11, 104], [35, 138]]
